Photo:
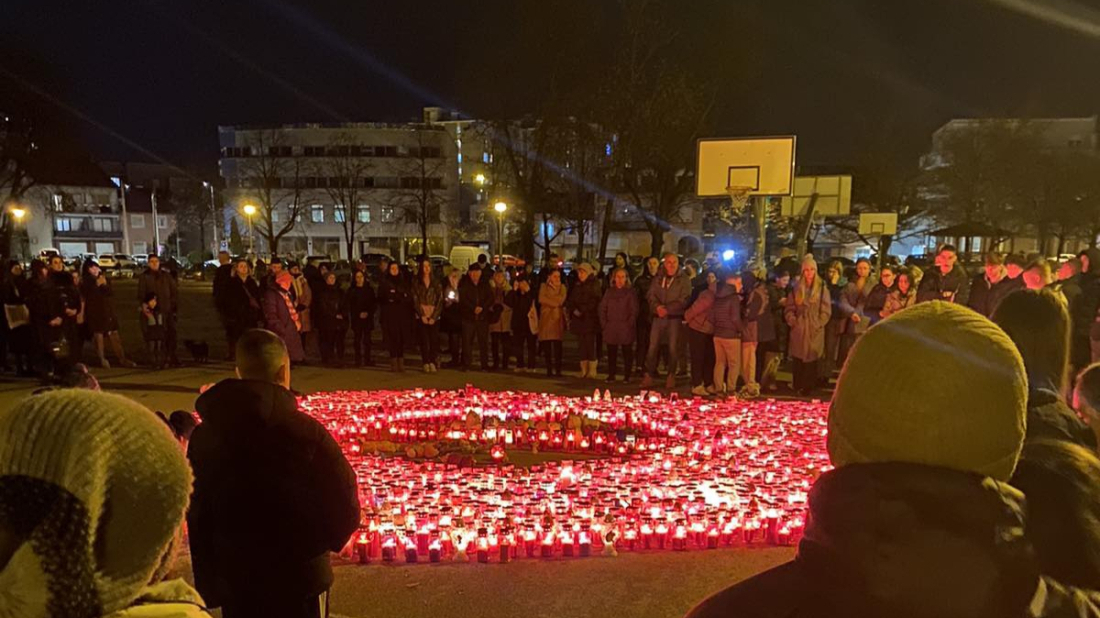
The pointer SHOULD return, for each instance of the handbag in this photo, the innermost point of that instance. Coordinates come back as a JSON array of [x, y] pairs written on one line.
[[533, 320], [17, 315]]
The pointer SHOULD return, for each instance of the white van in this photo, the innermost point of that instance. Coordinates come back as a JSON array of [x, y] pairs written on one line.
[[462, 256]]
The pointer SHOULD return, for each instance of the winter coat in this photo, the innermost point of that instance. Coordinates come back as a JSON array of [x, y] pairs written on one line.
[[726, 313], [876, 301], [838, 321], [641, 288], [1048, 417], [583, 307], [99, 311], [303, 295], [471, 296], [551, 312], [242, 302], [672, 292], [807, 320], [163, 284], [897, 301], [986, 296], [277, 319], [897, 539], [395, 302], [222, 278], [360, 301], [520, 305], [853, 301], [698, 316], [427, 299], [1083, 310], [501, 310], [954, 287], [618, 316], [272, 488], [756, 323], [329, 308], [452, 312]]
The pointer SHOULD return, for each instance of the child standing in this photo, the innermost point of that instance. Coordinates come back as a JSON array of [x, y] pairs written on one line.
[[152, 329]]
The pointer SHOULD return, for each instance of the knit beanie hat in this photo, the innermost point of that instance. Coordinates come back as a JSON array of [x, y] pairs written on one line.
[[96, 487], [936, 384]]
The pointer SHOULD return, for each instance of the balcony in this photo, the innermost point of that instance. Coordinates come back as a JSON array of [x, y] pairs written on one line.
[[73, 225]]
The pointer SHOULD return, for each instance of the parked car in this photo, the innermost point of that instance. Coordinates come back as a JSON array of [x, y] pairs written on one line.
[[107, 260], [141, 259]]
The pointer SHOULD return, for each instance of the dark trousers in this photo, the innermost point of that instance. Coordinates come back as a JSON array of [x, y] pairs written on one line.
[[641, 343], [613, 360], [587, 346], [702, 357], [805, 375], [552, 351], [521, 341], [428, 334], [480, 330], [502, 344], [326, 341], [361, 341], [394, 335], [454, 348], [340, 340], [170, 338]]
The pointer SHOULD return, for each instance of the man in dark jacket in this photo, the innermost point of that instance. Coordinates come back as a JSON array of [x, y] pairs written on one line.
[[222, 278], [991, 286], [475, 298], [160, 282], [273, 493], [521, 299], [1083, 309], [667, 300], [946, 281], [917, 519]]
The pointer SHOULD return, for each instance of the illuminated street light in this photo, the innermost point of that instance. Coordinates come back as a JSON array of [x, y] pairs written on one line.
[[480, 179], [500, 208], [18, 213], [250, 210]]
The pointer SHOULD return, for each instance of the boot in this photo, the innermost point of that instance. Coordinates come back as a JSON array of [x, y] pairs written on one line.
[[584, 369], [647, 381]]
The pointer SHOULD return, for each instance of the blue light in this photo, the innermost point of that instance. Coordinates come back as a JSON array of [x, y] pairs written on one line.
[[607, 150], [728, 254]]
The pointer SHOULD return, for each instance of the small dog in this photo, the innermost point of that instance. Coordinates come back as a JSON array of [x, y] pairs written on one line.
[[199, 350]]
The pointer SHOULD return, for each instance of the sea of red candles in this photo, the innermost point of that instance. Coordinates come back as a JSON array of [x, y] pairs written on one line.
[[621, 474]]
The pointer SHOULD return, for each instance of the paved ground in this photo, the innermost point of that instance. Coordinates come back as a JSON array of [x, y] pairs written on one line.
[[656, 585]]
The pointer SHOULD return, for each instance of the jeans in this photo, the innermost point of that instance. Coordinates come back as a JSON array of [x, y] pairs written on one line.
[[428, 334], [613, 359], [702, 357], [521, 341], [470, 330], [664, 330], [727, 362]]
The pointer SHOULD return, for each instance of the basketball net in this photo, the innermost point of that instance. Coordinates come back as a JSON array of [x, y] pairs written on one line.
[[739, 197]]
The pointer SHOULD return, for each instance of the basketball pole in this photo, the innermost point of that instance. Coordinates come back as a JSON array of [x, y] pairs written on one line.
[[760, 211]]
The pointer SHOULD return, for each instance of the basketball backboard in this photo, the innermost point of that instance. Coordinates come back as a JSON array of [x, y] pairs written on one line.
[[756, 165], [878, 223], [833, 196]]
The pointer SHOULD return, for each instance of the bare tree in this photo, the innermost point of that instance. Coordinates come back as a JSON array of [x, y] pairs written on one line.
[[523, 147], [422, 194], [191, 205], [580, 149], [275, 179], [348, 172], [17, 150]]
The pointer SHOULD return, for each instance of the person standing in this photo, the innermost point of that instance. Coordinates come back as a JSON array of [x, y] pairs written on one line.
[[223, 277], [99, 314], [158, 281], [903, 296], [361, 305], [876, 300], [552, 295], [241, 297], [700, 332], [838, 322], [667, 298], [397, 310], [525, 323], [500, 322], [272, 488], [726, 315], [852, 305], [946, 281], [332, 322], [1037, 275], [768, 363], [990, 287], [475, 299], [808, 310], [63, 305], [428, 304], [645, 313], [618, 313], [756, 328], [281, 315], [18, 318], [451, 324], [582, 307], [302, 293]]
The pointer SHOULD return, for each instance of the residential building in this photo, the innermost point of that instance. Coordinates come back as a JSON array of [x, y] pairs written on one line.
[[141, 180], [73, 208]]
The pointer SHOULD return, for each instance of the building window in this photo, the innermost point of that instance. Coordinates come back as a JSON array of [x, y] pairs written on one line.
[[387, 182], [388, 214], [317, 213], [162, 221], [339, 213], [103, 224], [137, 221], [275, 216], [64, 224], [141, 247], [364, 213]]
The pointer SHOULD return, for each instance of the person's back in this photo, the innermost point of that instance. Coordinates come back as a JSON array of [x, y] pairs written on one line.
[[273, 493]]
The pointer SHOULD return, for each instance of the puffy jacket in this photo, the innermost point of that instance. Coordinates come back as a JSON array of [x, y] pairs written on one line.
[[897, 301], [619, 315], [271, 488], [672, 292], [582, 307], [897, 539], [698, 315], [726, 314], [757, 325], [876, 301]]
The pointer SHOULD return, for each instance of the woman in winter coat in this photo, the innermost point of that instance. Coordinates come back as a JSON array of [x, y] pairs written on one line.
[[20, 333], [99, 313], [834, 330], [332, 320], [451, 324], [397, 310], [525, 322], [361, 305], [582, 307], [807, 313], [876, 300], [500, 324], [281, 315], [552, 295], [303, 295], [852, 304], [757, 326], [700, 334], [729, 332], [242, 304], [904, 295], [618, 318], [428, 305]]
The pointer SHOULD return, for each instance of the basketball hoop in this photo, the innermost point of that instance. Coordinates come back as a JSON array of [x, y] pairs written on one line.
[[739, 197]]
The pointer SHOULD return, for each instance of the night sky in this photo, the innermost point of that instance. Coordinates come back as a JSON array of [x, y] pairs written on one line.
[[853, 78]]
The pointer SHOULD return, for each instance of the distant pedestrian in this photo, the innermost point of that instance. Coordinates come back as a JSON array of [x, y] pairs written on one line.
[[242, 310], [728, 320], [668, 297], [281, 315], [756, 328], [160, 282], [582, 308], [525, 323], [618, 312], [475, 299], [1015, 265], [361, 304], [876, 300], [332, 320], [99, 314], [302, 293], [552, 295], [18, 319], [153, 330], [1037, 275], [991, 286], [838, 321], [396, 308], [807, 312], [700, 333], [853, 306], [62, 305], [500, 322], [645, 313], [1084, 311], [773, 355], [428, 305], [451, 324], [223, 276]]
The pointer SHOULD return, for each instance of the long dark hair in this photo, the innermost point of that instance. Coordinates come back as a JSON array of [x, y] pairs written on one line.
[[1038, 323]]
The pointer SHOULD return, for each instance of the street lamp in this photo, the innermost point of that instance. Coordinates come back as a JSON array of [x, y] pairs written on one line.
[[250, 210], [18, 214], [501, 208], [213, 214]]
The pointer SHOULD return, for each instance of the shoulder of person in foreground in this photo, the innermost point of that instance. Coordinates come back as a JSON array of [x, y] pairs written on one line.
[[771, 594]]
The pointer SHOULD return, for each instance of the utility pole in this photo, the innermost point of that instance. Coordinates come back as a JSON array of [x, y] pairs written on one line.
[[156, 225], [125, 217]]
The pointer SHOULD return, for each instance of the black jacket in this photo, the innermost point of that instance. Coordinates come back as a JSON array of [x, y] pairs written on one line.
[[984, 298], [222, 278], [521, 307], [361, 300], [905, 541], [1048, 417], [273, 496], [953, 287], [584, 298], [396, 301], [1083, 309], [471, 296], [329, 311], [242, 298], [875, 303]]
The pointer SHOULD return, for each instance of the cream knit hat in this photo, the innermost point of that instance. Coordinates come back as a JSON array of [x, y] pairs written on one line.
[[936, 384], [98, 487]]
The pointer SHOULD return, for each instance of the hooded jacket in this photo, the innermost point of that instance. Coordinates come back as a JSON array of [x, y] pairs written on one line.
[[618, 315], [726, 313], [584, 299], [906, 541], [272, 488]]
